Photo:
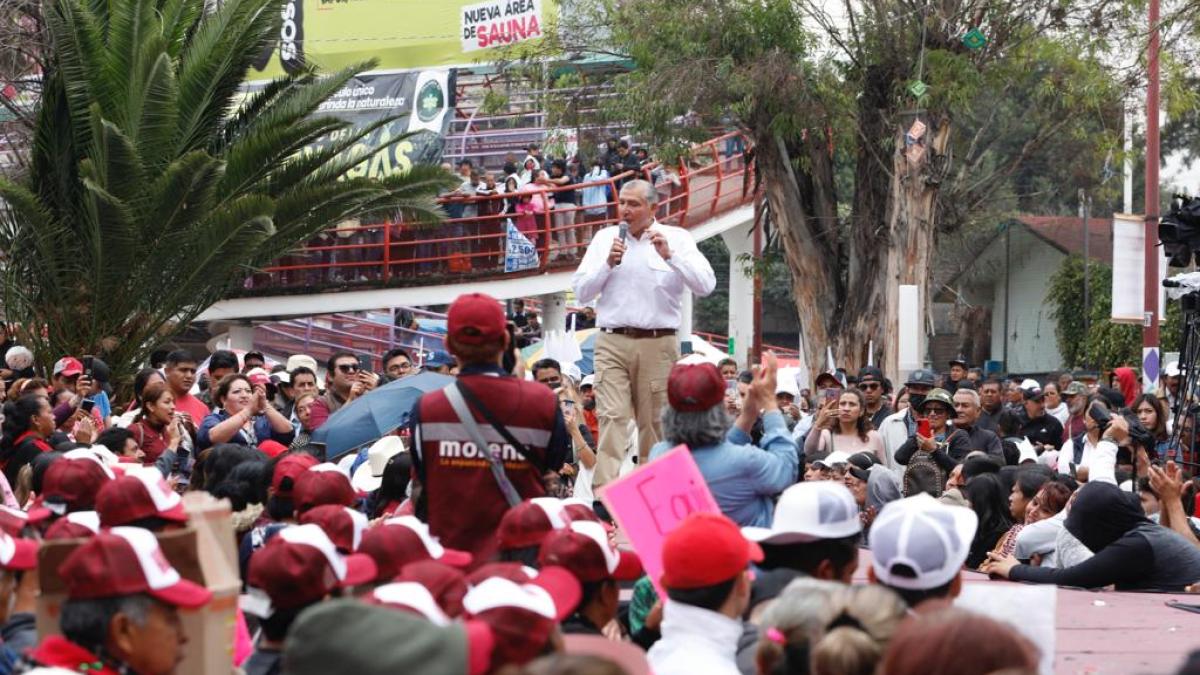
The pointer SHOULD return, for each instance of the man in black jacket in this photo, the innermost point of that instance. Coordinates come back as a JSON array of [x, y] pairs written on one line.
[[967, 410], [1044, 431]]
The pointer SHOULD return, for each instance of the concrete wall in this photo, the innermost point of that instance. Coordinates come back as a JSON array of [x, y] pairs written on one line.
[[1032, 345]]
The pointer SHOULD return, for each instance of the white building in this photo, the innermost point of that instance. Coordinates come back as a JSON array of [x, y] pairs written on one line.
[[1011, 276]]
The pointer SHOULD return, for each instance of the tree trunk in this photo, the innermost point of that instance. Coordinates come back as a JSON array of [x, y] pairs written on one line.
[[807, 255], [912, 217]]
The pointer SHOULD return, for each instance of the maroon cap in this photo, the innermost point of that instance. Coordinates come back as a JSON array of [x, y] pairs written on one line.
[[300, 566], [139, 495], [342, 524], [695, 387], [447, 584], [72, 482], [704, 550], [127, 561], [585, 550], [475, 319], [403, 540], [528, 523], [521, 611], [409, 596], [287, 470], [78, 525], [322, 484]]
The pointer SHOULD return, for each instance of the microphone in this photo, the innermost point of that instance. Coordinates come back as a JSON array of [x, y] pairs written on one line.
[[622, 232]]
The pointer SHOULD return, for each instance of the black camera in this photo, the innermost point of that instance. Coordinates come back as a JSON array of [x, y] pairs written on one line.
[[1179, 230]]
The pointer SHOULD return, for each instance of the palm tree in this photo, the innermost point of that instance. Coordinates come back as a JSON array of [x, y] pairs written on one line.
[[150, 192]]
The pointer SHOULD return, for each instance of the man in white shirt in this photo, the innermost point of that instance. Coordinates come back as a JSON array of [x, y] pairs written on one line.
[[706, 575], [638, 284]]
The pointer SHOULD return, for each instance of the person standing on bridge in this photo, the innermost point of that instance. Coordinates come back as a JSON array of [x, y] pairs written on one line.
[[639, 281]]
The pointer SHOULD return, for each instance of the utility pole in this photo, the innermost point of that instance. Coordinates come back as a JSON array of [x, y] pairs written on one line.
[[1085, 207], [1151, 290]]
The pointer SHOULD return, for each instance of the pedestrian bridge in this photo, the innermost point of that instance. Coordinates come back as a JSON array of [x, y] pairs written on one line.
[[395, 263]]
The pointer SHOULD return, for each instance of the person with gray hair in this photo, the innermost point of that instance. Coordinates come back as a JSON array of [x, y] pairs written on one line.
[[967, 409], [743, 478], [637, 273]]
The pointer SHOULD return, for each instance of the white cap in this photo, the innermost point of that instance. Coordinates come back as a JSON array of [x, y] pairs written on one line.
[[1172, 369], [810, 511], [589, 380], [922, 535], [835, 457], [369, 475], [297, 360]]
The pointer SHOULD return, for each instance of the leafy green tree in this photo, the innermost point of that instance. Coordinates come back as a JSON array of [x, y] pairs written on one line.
[[150, 192], [875, 130], [1100, 343]]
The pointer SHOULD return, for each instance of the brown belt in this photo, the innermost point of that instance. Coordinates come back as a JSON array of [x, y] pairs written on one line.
[[640, 332]]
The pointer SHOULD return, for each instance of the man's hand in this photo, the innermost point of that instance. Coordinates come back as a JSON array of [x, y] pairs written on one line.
[[616, 253], [1118, 430], [357, 389], [664, 249], [369, 380], [762, 390]]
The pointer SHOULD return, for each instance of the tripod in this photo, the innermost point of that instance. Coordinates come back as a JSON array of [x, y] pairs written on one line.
[[1186, 408]]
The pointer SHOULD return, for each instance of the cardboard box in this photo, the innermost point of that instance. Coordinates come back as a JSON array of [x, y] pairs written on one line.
[[203, 552]]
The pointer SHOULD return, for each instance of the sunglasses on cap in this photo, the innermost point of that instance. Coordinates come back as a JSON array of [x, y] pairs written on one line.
[[348, 367]]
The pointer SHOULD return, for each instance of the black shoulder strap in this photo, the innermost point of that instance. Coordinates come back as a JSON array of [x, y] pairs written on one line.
[[475, 404]]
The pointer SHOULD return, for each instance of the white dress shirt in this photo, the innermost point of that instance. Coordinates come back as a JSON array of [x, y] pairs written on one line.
[[695, 641], [644, 291]]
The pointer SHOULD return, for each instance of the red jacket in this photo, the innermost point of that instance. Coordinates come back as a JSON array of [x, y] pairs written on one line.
[[57, 651], [463, 502]]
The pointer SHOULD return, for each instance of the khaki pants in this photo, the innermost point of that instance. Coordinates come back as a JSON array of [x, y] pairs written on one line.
[[631, 384]]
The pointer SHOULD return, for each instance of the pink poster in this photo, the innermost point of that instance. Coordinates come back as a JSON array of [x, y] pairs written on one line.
[[648, 503]]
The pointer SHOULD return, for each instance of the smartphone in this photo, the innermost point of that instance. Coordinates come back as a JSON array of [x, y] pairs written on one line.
[[924, 429], [831, 394], [568, 404], [685, 348], [364, 363], [88, 362], [731, 387], [87, 405]]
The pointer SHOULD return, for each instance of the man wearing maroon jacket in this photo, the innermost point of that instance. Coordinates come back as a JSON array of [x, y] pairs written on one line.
[[460, 497]]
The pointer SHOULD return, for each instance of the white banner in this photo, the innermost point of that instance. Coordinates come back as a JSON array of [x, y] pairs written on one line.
[[1129, 268], [1129, 271], [500, 22], [520, 253]]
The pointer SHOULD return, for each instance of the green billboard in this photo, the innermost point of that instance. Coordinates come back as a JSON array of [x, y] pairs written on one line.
[[402, 34]]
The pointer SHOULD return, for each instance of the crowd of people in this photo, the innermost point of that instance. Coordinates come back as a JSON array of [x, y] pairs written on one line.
[[556, 203], [473, 539]]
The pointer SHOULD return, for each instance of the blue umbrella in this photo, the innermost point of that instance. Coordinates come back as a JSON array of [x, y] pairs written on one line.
[[376, 414]]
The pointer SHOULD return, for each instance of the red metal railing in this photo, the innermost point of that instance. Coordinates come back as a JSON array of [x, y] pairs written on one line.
[[713, 178]]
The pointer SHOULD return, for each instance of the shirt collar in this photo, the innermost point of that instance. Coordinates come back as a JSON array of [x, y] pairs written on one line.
[[482, 369], [680, 620]]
